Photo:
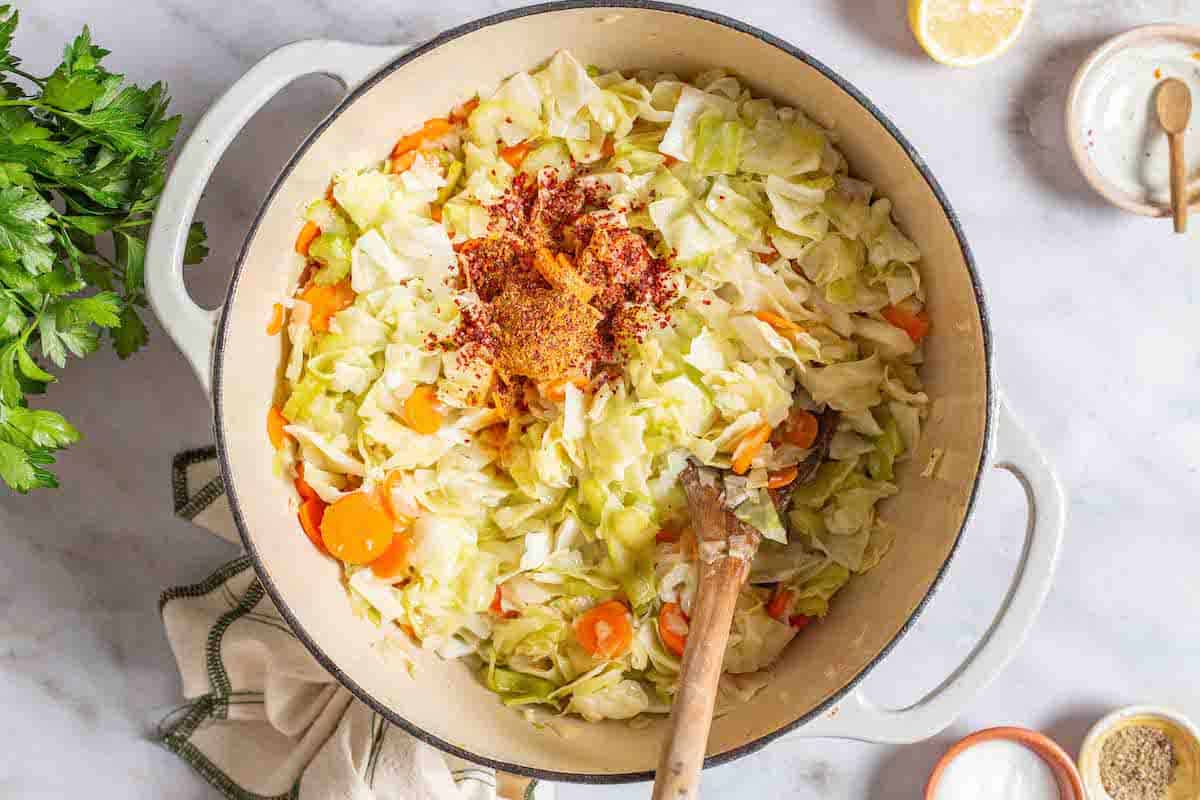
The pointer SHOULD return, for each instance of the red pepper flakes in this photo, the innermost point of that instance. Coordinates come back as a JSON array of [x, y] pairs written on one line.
[[531, 329]]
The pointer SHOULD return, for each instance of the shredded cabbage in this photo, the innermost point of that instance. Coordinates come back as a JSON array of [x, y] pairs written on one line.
[[514, 523]]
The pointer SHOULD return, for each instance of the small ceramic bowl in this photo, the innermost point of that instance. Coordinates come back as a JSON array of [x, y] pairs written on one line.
[[1070, 786], [1185, 738], [1085, 84]]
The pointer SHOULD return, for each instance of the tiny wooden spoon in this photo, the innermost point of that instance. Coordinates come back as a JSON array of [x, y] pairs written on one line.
[[726, 546], [1174, 105]]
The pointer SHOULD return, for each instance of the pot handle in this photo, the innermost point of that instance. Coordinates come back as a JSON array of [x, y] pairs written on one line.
[[856, 717], [189, 325]]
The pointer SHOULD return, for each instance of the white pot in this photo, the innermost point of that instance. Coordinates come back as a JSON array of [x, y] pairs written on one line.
[[811, 693]]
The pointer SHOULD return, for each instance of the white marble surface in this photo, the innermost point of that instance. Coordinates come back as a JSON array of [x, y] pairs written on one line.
[[1097, 339]]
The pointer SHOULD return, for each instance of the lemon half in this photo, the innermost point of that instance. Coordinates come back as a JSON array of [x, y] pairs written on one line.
[[963, 33]]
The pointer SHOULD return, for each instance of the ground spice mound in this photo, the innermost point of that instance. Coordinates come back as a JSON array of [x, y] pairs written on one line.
[[1137, 763], [562, 283]]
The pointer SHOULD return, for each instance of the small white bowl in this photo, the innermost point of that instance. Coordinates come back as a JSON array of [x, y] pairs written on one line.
[[1081, 87], [1185, 739]]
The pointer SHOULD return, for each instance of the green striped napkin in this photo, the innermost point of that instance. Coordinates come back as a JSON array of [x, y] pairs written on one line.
[[263, 719]]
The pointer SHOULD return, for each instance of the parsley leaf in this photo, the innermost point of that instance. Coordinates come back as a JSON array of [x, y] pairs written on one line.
[[82, 164], [25, 236]]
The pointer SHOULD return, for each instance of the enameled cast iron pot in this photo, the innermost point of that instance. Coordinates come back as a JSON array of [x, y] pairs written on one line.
[[393, 90]]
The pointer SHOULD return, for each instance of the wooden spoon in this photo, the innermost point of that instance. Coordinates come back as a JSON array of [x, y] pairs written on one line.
[[1174, 105], [726, 546]]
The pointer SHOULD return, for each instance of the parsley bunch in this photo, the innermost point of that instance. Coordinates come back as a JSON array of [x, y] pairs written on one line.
[[82, 165]]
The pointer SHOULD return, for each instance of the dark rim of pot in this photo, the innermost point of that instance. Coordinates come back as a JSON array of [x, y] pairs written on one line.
[[443, 38]]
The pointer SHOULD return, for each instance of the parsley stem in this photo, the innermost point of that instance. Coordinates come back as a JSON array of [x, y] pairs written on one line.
[[28, 77]]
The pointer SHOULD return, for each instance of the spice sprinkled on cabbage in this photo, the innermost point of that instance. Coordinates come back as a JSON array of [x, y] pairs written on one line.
[[506, 340]]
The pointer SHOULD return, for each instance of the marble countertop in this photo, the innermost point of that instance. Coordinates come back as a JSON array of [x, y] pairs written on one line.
[[1096, 331]]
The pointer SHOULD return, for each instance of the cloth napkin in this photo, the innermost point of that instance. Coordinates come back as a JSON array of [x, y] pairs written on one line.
[[263, 720]]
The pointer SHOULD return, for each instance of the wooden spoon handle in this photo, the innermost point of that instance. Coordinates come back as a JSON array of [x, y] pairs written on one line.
[[678, 776], [1179, 199]]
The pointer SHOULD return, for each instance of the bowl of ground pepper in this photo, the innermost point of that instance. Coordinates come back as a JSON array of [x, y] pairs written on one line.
[[1142, 753]]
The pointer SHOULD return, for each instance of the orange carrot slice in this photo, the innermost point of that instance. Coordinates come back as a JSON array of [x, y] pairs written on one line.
[[497, 607], [779, 603], [560, 273], [311, 514], [915, 325], [395, 560], [402, 162], [780, 324], [673, 627], [421, 411], [305, 238], [275, 423], [462, 112], [782, 477], [388, 500], [801, 428], [515, 154], [556, 390], [327, 301], [305, 491], [605, 631], [749, 447], [356, 530], [432, 129], [276, 323], [435, 212]]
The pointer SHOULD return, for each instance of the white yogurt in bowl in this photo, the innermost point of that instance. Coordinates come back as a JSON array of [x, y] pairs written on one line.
[[1111, 122]]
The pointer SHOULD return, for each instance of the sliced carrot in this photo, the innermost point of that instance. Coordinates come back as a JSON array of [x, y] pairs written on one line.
[[402, 162], [560, 273], [435, 212], [749, 447], [311, 514], [915, 325], [305, 238], [799, 621], [356, 529], [421, 411], [607, 149], [385, 496], [801, 428], [515, 154], [276, 323], [780, 324], [461, 113], [670, 161], [497, 607], [672, 628], [275, 423], [305, 491], [605, 631], [779, 603], [432, 129], [769, 257], [395, 560], [556, 390], [327, 301], [782, 477]]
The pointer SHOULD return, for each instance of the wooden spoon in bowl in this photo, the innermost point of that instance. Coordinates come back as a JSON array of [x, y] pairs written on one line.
[[1173, 102], [726, 546]]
